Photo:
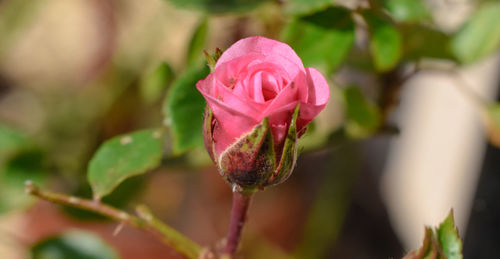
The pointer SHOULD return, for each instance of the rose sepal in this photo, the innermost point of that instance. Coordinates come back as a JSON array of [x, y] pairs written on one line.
[[212, 59], [248, 163], [288, 156], [208, 132]]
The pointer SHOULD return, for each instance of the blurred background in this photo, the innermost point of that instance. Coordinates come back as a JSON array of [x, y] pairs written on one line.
[[412, 129]]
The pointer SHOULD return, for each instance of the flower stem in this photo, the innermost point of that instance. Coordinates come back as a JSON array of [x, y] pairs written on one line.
[[145, 220], [241, 202]]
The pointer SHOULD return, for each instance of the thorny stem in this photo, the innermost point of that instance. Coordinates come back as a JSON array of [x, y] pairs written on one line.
[[241, 202], [145, 220]]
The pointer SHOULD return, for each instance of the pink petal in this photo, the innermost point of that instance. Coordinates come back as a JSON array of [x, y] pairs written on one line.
[[319, 92], [235, 116], [262, 45]]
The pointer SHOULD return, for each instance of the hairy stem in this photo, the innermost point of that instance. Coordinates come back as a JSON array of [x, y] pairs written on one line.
[[145, 220], [241, 202]]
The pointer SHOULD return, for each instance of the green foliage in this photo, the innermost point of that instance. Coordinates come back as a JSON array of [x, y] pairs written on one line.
[[480, 36], [306, 6], [11, 142], [322, 39], [155, 82], [19, 161], [363, 116], [443, 243], [327, 213], [385, 41], [449, 240], [218, 6], [407, 10], [195, 48], [183, 108], [28, 165], [420, 41], [122, 157], [75, 245]]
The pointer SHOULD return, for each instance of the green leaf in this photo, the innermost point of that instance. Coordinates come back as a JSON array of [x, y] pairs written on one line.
[[218, 6], [184, 108], [154, 83], [420, 41], [407, 10], [122, 157], [385, 41], [363, 116], [443, 243], [449, 241], [75, 245], [480, 36], [322, 39], [306, 6], [28, 165], [195, 49]]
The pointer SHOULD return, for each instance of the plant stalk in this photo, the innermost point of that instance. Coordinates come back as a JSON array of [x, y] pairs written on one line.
[[144, 219], [241, 202]]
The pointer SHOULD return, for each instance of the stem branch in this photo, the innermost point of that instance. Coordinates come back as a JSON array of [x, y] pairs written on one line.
[[145, 220], [241, 202]]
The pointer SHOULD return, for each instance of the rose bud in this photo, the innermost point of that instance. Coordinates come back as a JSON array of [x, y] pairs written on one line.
[[259, 99]]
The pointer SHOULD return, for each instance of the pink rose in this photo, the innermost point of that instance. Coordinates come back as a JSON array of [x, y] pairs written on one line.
[[259, 78]]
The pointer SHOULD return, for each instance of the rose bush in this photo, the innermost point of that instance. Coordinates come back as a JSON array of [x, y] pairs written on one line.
[[250, 127]]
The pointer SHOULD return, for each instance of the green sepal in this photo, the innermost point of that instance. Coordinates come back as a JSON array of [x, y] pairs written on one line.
[[289, 154], [208, 132], [212, 59], [250, 161]]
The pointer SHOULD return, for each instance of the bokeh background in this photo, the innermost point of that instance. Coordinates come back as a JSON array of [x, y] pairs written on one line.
[[411, 131]]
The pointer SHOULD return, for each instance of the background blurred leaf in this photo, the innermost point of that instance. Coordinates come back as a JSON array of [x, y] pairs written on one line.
[[154, 83], [14, 15], [420, 41], [11, 142], [407, 10], [327, 214], [122, 157], [306, 6], [195, 48], [449, 240], [322, 39], [385, 41], [492, 118], [184, 108], [75, 245], [480, 36], [28, 165], [363, 116], [218, 6]]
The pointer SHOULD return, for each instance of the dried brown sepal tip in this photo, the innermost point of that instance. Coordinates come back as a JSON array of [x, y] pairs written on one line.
[[441, 243], [252, 162]]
